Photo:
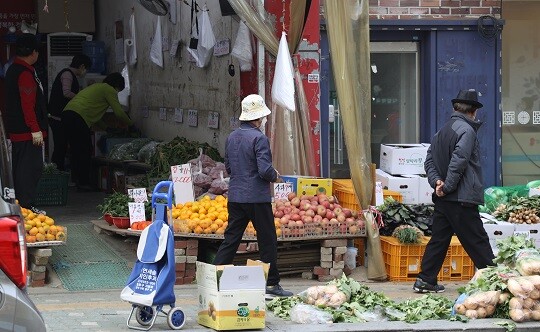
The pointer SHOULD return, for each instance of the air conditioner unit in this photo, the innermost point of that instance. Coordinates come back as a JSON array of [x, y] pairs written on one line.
[[61, 47]]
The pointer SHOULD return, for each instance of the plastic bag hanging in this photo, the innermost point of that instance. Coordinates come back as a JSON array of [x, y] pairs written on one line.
[[131, 42], [156, 51], [123, 96], [283, 84], [242, 49], [207, 40]]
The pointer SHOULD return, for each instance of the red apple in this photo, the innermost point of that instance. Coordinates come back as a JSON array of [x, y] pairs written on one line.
[[321, 211], [295, 201], [290, 196], [278, 214]]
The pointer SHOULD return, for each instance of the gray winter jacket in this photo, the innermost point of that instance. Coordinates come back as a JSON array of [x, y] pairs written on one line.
[[454, 157]]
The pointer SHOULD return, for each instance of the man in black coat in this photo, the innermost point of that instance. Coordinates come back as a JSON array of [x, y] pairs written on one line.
[[453, 169]]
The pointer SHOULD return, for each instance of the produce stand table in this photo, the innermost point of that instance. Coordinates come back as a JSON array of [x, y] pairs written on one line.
[[320, 257], [38, 258]]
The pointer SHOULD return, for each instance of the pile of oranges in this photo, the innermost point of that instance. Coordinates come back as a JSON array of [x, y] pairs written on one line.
[[41, 228], [206, 216]]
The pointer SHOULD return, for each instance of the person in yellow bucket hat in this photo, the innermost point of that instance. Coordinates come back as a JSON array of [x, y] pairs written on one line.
[[248, 161]]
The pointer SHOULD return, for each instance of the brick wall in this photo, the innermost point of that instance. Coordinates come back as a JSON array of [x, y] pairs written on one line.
[[432, 9]]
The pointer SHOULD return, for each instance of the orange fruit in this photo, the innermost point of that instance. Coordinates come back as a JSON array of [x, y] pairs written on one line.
[[33, 231], [30, 238], [198, 230], [50, 237], [40, 237], [60, 236]]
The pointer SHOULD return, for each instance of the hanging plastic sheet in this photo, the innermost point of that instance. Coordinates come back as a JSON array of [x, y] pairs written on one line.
[[205, 46], [156, 50], [283, 83], [242, 49], [123, 96], [348, 31]]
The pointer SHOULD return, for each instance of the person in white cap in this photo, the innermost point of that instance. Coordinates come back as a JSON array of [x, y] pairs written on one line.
[[248, 161]]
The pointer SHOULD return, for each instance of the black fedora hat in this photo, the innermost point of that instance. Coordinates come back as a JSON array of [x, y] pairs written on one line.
[[469, 97]]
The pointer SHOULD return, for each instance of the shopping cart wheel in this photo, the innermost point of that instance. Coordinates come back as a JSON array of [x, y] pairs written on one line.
[[144, 315], [176, 318]]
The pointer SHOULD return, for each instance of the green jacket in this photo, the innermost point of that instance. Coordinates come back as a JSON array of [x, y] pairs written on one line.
[[92, 102]]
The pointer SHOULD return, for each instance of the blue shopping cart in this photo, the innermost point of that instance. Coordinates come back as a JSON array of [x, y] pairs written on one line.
[[150, 286]]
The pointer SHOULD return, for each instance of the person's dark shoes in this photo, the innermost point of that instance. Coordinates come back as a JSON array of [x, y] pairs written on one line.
[[37, 211], [276, 291], [420, 286], [86, 188]]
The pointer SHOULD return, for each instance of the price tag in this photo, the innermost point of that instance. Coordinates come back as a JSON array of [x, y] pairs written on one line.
[[525, 234], [182, 183], [213, 120], [178, 115], [281, 190], [379, 197], [163, 113], [136, 212], [138, 195], [193, 119], [222, 47]]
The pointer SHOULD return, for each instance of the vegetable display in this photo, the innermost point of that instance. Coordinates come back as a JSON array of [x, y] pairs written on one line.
[[520, 210], [395, 214]]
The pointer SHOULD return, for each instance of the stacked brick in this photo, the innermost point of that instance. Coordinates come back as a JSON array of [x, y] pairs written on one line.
[[332, 260], [38, 258], [185, 258], [432, 9]]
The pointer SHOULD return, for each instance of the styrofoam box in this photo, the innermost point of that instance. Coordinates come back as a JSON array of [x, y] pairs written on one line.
[[498, 231], [534, 192], [406, 186], [425, 191], [398, 159], [532, 230]]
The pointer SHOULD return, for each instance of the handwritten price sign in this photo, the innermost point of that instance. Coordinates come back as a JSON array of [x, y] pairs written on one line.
[[281, 190], [182, 183], [136, 212], [138, 195]]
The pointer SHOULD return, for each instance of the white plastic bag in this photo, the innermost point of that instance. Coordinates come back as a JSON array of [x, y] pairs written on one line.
[[207, 40], [123, 96], [156, 51], [308, 314], [242, 49], [283, 85]]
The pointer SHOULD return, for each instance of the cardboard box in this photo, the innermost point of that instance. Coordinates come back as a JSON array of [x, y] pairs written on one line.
[[397, 159], [314, 186], [232, 297], [498, 230], [406, 186], [308, 185]]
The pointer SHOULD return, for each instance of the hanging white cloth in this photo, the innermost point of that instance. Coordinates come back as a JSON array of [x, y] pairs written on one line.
[[156, 51]]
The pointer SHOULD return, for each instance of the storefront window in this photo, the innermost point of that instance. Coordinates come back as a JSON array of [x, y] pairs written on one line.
[[520, 93], [394, 104]]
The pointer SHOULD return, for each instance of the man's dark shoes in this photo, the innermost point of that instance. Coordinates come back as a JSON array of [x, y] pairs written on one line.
[[276, 291], [420, 286]]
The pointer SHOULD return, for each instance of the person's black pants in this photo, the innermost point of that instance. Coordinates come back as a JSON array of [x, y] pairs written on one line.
[[463, 220], [262, 218], [27, 164], [79, 139], [60, 144]]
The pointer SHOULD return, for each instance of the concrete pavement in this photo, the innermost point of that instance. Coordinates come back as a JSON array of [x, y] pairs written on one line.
[[103, 310]]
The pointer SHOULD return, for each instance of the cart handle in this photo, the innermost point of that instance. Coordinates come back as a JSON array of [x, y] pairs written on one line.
[[167, 196]]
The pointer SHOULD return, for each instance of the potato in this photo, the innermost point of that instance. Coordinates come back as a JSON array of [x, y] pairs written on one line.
[[517, 315], [490, 310], [528, 303], [460, 309], [516, 303], [504, 297], [535, 294], [536, 314], [514, 287], [470, 303], [481, 312], [472, 314]]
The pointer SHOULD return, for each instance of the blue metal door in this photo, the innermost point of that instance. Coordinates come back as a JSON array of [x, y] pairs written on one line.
[[465, 60]]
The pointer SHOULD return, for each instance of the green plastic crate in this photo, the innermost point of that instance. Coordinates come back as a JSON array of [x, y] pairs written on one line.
[[52, 189]]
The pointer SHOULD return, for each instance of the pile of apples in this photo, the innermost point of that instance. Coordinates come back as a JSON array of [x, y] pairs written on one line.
[[309, 215]]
